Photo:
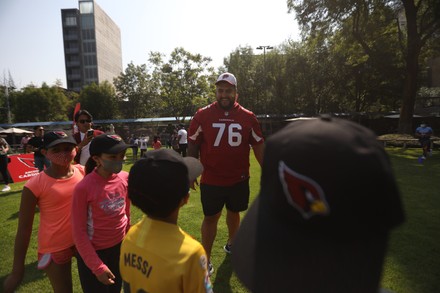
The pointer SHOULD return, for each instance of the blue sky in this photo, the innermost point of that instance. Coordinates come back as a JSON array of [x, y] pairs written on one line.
[[31, 46]]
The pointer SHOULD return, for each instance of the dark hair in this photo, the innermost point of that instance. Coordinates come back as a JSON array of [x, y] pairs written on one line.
[[37, 127], [90, 165], [157, 187], [82, 112]]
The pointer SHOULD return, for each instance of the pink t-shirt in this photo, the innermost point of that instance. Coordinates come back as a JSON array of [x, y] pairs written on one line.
[[157, 145], [54, 199], [100, 215]]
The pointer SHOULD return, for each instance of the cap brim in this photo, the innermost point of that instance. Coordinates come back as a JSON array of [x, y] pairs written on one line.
[[70, 140], [269, 255], [194, 166]]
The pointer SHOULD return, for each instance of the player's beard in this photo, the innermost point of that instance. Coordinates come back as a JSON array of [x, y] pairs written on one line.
[[226, 106]]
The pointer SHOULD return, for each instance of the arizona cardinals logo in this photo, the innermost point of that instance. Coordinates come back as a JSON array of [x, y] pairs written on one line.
[[303, 193], [60, 134], [114, 137], [28, 162]]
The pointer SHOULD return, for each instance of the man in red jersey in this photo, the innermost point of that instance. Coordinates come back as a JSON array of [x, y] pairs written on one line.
[[222, 133]]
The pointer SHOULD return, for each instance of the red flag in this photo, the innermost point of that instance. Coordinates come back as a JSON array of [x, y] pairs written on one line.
[[77, 108]]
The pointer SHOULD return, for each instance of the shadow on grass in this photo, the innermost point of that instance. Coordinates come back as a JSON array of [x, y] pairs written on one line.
[[31, 275], [223, 276], [15, 215], [12, 192]]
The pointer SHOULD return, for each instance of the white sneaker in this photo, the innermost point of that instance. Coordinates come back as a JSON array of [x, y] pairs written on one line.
[[6, 188], [210, 269]]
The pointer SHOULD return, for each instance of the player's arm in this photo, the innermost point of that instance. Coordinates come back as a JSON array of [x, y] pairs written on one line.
[[258, 152], [193, 149], [22, 238]]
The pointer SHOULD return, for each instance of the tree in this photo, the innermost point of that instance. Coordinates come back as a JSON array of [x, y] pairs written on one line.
[[324, 17], [242, 62], [136, 92], [183, 81], [40, 104], [100, 100]]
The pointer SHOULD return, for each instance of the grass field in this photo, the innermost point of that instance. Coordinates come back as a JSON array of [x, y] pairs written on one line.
[[412, 264]]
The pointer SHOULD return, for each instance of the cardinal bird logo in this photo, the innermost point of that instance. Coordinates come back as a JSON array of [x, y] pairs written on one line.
[[60, 134], [303, 193], [114, 137], [28, 162]]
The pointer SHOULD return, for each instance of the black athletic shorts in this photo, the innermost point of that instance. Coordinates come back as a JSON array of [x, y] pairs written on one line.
[[214, 198]]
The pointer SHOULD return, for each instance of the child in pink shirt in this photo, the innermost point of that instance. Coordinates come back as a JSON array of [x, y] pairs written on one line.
[[100, 215], [156, 143], [51, 190]]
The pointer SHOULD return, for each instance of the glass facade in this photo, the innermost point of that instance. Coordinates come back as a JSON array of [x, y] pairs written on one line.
[[92, 46], [86, 7]]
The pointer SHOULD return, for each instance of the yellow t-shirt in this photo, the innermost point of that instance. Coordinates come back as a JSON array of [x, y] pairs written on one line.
[[160, 257]]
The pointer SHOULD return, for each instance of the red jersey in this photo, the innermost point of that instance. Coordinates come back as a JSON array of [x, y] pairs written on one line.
[[224, 138]]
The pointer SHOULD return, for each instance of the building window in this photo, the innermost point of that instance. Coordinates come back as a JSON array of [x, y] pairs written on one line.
[[87, 21], [86, 7], [88, 34], [90, 60], [70, 21], [91, 73], [89, 47]]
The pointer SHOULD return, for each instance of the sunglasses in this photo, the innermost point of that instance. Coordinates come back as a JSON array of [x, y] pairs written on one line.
[[82, 121]]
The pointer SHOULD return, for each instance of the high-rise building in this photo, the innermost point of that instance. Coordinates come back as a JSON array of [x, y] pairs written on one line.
[[92, 45]]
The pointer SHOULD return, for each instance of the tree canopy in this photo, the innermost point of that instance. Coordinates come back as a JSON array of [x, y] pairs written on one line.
[[410, 24]]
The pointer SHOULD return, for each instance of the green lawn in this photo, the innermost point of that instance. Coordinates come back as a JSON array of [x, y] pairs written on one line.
[[412, 265]]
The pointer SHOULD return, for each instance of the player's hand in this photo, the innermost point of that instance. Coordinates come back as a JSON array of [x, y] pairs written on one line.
[[107, 277], [12, 281], [194, 184]]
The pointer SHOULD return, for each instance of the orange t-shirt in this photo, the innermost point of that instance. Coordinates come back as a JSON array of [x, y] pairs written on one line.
[[54, 199]]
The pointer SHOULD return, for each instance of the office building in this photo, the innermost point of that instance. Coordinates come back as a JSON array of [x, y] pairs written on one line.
[[92, 45]]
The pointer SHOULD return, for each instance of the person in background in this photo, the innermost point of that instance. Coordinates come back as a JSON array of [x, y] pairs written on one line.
[[424, 133], [175, 141], [4, 161], [51, 191], [143, 145], [170, 259], [134, 144], [24, 142], [182, 136], [101, 215], [222, 133], [156, 143], [34, 145], [111, 129], [83, 121], [323, 217], [169, 133]]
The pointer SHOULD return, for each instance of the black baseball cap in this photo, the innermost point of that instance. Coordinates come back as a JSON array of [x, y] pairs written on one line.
[[53, 138], [107, 144], [320, 223], [158, 182]]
